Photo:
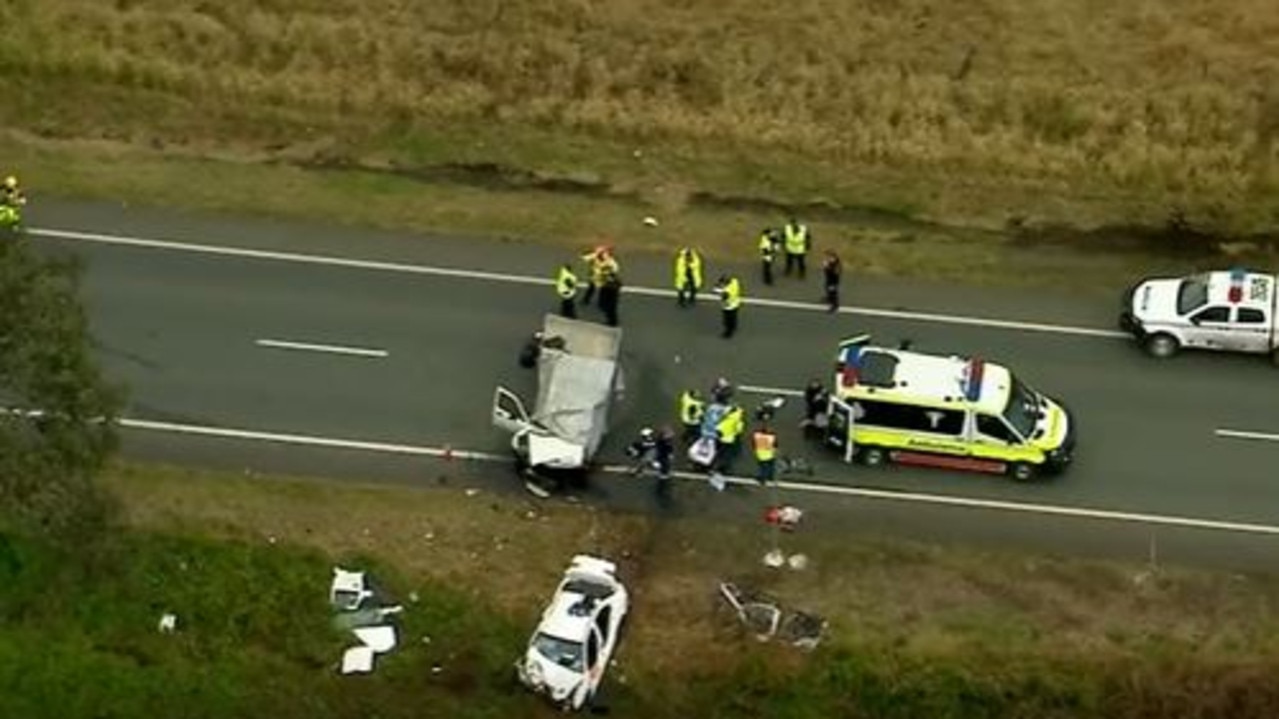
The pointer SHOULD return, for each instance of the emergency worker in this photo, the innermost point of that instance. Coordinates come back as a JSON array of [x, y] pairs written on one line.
[[610, 296], [566, 290], [688, 276], [691, 409], [729, 290], [642, 451], [663, 461], [769, 241], [797, 242], [729, 431], [600, 261], [832, 269], [764, 443]]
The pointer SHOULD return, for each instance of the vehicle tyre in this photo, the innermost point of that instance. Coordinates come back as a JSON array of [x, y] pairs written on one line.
[[1162, 345], [1022, 472], [1274, 356], [873, 456]]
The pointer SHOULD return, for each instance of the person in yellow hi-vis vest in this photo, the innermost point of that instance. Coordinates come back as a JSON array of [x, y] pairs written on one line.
[[729, 290], [688, 276], [797, 241], [601, 263], [691, 409], [728, 441], [566, 290], [769, 241]]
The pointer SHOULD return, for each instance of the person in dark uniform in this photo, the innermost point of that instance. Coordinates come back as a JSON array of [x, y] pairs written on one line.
[[610, 297], [832, 269]]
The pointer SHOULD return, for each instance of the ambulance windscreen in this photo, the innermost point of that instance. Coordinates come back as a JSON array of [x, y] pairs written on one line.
[[876, 369]]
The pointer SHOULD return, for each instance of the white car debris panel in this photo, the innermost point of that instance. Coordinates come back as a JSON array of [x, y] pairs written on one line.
[[1227, 311], [577, 635], [362, 609], [578, 376]]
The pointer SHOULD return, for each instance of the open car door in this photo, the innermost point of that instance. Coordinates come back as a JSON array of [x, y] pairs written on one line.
[[508, 411]]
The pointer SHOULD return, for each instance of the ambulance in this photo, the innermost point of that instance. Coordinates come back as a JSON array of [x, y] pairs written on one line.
[[1226, 311], [905, 407]]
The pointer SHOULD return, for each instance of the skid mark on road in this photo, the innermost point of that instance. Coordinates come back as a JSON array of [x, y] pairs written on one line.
[[331, 261]]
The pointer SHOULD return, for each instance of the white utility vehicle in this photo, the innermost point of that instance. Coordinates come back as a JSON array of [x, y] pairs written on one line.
[[1229, 311], [578, 378], [577, 635]]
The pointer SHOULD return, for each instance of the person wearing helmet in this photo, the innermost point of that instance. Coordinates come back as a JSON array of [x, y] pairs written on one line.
[[642, 451]]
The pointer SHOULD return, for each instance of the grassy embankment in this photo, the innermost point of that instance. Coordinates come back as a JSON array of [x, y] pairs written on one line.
[[904, 122], [916, 630]]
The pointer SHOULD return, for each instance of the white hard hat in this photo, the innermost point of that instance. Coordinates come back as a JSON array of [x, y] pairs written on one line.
[[646, 432]]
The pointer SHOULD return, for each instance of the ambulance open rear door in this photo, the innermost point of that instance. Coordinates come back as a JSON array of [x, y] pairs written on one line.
[[839, 427]]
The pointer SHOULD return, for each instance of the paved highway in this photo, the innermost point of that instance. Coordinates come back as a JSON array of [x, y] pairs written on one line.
[[392, 354]]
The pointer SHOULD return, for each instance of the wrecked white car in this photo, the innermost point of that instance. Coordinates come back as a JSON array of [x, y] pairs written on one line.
[[578, 379], [577, 635]]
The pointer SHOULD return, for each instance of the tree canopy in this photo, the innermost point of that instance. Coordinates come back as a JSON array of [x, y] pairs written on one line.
[[57, 411]]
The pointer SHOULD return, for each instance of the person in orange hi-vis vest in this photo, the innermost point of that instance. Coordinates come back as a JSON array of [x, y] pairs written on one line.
[[764, 442]]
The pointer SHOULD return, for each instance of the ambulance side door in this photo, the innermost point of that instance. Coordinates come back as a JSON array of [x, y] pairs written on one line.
[[993, 438]]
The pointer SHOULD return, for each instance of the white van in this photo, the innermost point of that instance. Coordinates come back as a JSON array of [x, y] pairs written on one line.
[[1227, 311]]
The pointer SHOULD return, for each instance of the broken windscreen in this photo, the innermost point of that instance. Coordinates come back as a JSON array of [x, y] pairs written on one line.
[[561, 651]]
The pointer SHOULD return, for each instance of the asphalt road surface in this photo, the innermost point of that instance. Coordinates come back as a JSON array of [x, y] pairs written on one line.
[[386, 354]]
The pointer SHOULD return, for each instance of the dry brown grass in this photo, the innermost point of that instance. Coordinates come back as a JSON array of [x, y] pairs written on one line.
[[960, 107], [924, 600]]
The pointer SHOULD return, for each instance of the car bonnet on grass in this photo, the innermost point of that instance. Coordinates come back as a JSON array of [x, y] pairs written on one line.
[[577, 634]]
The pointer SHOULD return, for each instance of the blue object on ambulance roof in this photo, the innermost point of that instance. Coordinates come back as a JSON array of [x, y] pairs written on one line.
[[850, 350], [973, 374]]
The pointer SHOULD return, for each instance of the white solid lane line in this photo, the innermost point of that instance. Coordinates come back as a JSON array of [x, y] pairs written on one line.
[[331, 261], [878, 494], [330, 349], [756, 389], [1241, 434]]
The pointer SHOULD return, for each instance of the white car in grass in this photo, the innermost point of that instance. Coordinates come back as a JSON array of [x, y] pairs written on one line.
[[577, 634]]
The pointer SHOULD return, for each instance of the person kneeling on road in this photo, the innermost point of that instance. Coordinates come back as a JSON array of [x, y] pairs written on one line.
[[642, 451]]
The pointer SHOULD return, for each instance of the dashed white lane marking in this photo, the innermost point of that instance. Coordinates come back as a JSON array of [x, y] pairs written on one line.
[[1242, 434], [828, 489], [331, 349], [218, 250]]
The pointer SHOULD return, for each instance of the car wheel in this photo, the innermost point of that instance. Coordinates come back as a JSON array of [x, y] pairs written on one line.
[[1022, 472], [1274, 356], [1162, 346], [873, 456]]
